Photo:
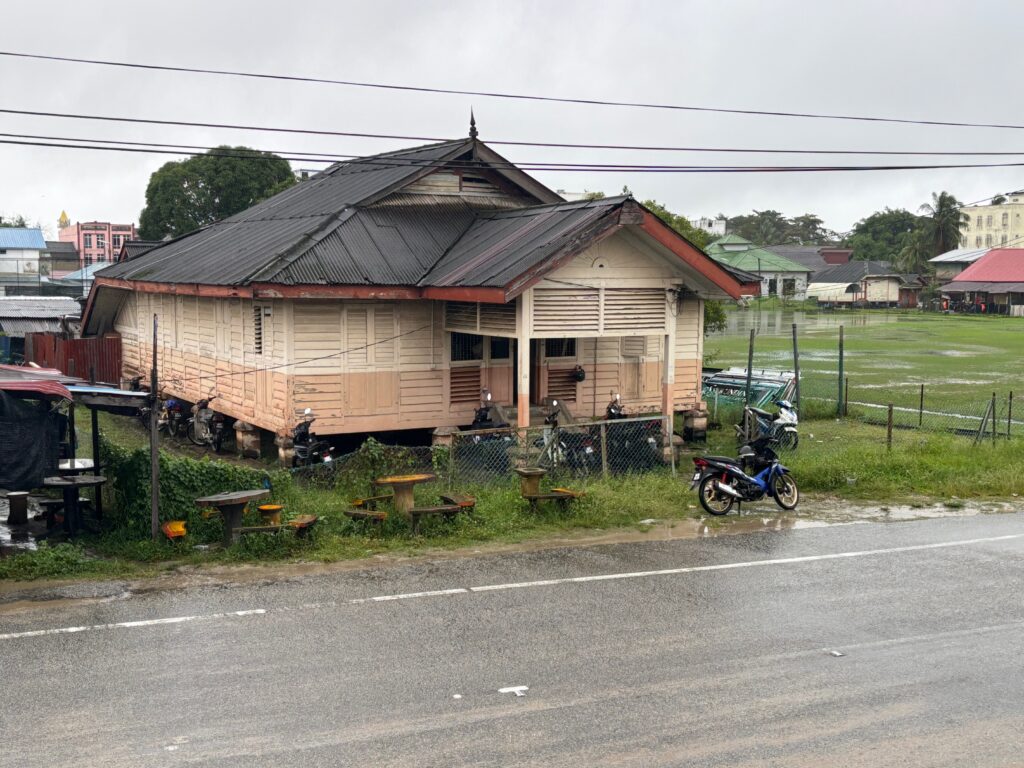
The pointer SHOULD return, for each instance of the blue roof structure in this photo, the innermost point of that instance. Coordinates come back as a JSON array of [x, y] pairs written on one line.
[[22, 237]]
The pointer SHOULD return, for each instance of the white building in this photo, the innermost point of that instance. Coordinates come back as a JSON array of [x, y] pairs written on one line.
[[20, 249], [715, 226]]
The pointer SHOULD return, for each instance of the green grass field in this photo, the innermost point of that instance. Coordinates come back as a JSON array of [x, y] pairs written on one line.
[[961, 360]]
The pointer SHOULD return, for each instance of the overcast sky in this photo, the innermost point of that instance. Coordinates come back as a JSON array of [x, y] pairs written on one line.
[[922, 60]]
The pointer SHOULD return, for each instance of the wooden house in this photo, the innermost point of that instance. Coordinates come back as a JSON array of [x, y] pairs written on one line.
[[386, 292]]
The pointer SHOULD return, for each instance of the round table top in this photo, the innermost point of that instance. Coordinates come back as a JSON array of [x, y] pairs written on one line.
[[232, 497], [422, 477], [75, 465], [531, 471], [74, 481]]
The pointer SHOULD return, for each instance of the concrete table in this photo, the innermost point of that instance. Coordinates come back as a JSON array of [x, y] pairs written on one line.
[[402, 486], [70, 486], [529, 483], [231, 506]]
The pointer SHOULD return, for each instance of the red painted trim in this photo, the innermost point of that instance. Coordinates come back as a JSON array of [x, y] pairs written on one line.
[[179, 289], [696, 258], [457, 293], [278, 291]]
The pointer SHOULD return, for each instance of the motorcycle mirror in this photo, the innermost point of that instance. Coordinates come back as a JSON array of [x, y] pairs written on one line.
[[308, 412], [618, 398], [554, 403]]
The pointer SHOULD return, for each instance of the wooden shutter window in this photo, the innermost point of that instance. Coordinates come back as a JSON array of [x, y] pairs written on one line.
[[464, 385]]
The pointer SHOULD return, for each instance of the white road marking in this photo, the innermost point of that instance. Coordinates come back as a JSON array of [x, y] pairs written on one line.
[[519, 585], [130, 624], [518, 690]]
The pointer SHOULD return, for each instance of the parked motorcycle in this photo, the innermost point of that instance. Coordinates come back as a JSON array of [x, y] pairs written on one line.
[[205, 427], [780, 428], [722, 481], [633, 446], [487, 416], [169, 417], [308, 449]]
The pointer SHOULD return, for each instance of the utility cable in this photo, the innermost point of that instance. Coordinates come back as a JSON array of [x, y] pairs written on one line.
[[509, 95]]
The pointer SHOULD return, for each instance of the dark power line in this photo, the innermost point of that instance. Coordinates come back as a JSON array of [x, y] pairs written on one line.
[[506, 95]]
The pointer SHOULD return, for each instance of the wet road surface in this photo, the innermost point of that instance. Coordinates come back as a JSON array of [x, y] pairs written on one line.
[[858, 645]]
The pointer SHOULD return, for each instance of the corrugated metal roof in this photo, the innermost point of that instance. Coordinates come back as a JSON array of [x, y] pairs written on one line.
[[960, 256], [265, 237], [998, 266], [60, 248], [134, 248], [500, 246], [965, 286], [751, 258], [37, 307], [854, 271], [22, 237], [18, 327]]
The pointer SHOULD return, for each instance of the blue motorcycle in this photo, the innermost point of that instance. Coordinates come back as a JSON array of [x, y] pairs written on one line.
[[722, 481]]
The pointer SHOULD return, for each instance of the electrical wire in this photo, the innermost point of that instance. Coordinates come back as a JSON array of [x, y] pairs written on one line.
[[508, 95], [542, 144], [477, 165]]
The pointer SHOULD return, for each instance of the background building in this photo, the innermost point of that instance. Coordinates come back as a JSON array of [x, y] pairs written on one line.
[[20, 251], [992, 226], [779, 276], [715, 227], [96, 241]]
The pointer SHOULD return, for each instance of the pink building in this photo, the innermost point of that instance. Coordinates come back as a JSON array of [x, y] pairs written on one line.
[[95, 240]]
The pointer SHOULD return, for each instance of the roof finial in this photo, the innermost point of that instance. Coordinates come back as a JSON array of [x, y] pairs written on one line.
[[472, 125]]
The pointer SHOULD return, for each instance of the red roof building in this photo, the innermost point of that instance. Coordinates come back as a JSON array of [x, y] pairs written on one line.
[[995, 281]]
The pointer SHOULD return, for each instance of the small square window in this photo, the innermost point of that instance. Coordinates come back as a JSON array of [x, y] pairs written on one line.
[[501, 348], [466, 347], [560, 348]]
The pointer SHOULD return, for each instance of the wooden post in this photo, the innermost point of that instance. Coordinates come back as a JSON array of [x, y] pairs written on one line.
[[523, 307], [839, 405], [920, 409], [1009, 414], [604, 449], [750, 367], [796, 370], [154, 446], [71, 431], [888, 430], [96, 460]]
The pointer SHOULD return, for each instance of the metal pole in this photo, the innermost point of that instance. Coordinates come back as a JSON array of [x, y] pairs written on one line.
[[604, 449], [839, 405], [846, 397], [796, 369], [1009, 414], [750, 367], [920, 410], [995, 424], [888, 430], [96, 460], [154, 447]]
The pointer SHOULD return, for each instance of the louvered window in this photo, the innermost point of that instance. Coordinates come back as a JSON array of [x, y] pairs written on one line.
[[465, 385], [260, 316], [641, 309], [592, 311], [558, 309], [488, 319]]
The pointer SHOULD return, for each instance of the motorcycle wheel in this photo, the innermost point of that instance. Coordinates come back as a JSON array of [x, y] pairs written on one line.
[[216, 440], [788, 440], [172, 427], [785, 492], [712, 501], [190, 433]]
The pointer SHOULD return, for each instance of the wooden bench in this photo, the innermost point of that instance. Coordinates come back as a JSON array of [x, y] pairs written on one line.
[[562, 495], [371, 502], [448, 510], [369, 516], [463, 500], [301, 525]]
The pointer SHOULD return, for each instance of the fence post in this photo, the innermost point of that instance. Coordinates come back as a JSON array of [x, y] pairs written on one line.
[[846, 397], [839, 405], [451, 461], [1009, 414], [796, 370], [995, 423], [750, 368], [888, 430], [920, 409], [604, 449]]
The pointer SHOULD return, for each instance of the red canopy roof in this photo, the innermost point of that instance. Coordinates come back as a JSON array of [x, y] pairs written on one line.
[[1000, 265], [37, 387]]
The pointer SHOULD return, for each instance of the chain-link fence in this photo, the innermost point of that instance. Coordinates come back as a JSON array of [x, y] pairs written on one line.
[[990, 414], [354, 471], [576, 451]]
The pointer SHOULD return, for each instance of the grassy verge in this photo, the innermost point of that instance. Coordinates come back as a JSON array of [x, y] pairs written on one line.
[[843, 460]]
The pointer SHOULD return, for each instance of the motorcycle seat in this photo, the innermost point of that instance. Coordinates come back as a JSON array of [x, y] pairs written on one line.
[[762, 413], [722, 459]]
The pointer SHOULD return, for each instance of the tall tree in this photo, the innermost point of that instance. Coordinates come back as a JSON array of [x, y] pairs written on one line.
[[809, 229], [944, 220], [13, 221], [680, 224], [883, 235], [185, 195]]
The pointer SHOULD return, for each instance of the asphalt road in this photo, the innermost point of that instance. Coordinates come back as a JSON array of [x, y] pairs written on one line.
[[859, 645]]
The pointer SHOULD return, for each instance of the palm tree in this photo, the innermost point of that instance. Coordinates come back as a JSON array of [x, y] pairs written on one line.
[[945, 221]]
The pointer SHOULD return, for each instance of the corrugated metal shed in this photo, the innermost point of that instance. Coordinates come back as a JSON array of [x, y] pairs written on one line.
[[855, 271], [31, 314], [23, 238], [960, 256], [997, 266], [131, 249]]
